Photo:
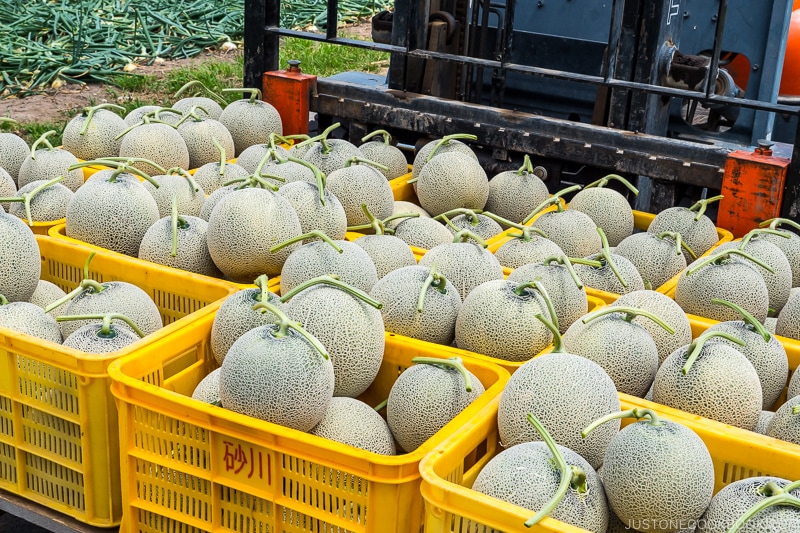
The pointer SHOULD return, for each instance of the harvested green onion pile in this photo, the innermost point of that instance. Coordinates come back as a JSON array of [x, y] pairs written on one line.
[[49, 43]]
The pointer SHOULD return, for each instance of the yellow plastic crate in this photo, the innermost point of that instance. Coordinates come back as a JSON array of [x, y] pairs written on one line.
[[190, 466], [448, 472], [58, 423]]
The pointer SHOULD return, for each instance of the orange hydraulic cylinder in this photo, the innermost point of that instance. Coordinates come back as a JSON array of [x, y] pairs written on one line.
[[289, 91], [752, 188]]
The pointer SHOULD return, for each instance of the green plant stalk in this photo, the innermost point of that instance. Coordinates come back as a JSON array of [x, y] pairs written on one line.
[[28, 197], [547, 301], [587, 262], [444, 141], [568, 474], [527, 166], [3, 300], [125, 169], [602, 182], [630, 314], [472, 214], [314, 233], [756, 232], [637, 413], [502, 220], [796, 410], [385, 134], [452, 362], [606, 253], [318, 175], [465, 234], [360, 160], [284, 323], [89, 112], [773, 223], [42, 139], [381, 406], [566, 263], [780, 499], [435, 280], [702, 205], [333, 282], [262, 282], [697, 346], [192, 114], [196, 83], [222, 160], [254, 93], [750, 320], [558, 344], [679, 242], [376, 225], [116, 160], [181, 172], [555, 199], [105, 329], [721, 256], [525, 235], [87, 284]]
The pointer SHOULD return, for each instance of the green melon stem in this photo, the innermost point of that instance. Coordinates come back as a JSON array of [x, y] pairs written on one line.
[[85, 284], [314, 233], [254, 93], [318, 175], [602, 182], [554, 199], [3, 300], [697, 346], [719, 257], [284, 323], [558, 344], [30, 195], [116, 161], [637, 412], [132, 170], [587, 262], [381, 406], [679, 242], [435, 280], [796, 410], [771, 489], [86, 264], [630, 314], [794, 485], [502, 220], [197, 83], [385, 134], [192, 113], [360, 160], [750, 320], [376, 225], [772, 501], [548, 302], [756, 232], [181, 172], [452, 362], [174, 225], [89, 112], [286, 138], [527, 166], [525, 235], [222, 160], [333, 282], [445, 141], [323, 138], [40, 140], [262, 282], [567, 473], [105, 329], [606, 255], [702, 205], [464, 235], [472, 214], [567, 263], [773, 223], [397, 216]]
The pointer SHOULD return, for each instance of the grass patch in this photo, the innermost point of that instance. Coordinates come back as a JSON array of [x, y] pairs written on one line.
[[30, 131], [325, 59]]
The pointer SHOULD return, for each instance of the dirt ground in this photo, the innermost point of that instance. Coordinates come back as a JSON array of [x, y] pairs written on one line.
[[66, 101]]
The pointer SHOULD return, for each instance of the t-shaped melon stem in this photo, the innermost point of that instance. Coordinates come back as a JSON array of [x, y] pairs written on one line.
[[318, 175], [679, 243], [696, 347], [390, 231], [435, 280], [85, 284], [630, 314], [387, 138], [522, 289], [314, 233], [105, 329], [602, 182], [526, 168], [525, 234], [30, 195], [702, 205], [606, 258], [191, 113], [176, 222], [445, 141], [198, 84], [471, 213], [381, 406], [784, 498], [146, 120], [756, 232], [89, 112], [566, 262], [750, 321], [284, 323], [465, 235], [453, 362], [377, 225], [553, 200], [773, 223], [262, 282], [255, 94], [637, 412], [178, 171], [121, 167], [355, 160], [40, 140], [571, 476], [336, 283], [558, 344], [322, 138], [222, 160], [116, 161], [723, 256]]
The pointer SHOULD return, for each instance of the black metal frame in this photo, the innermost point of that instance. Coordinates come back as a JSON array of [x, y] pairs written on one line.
[[660, 158]]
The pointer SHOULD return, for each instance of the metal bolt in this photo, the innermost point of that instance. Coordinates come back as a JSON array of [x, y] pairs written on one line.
[[713, 18], [686, 14], [294, 65], [756, 66], [540, 3], [764, 147]]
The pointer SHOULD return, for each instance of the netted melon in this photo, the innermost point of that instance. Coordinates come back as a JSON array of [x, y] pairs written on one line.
[[28, 318], [94, 132], [403, 206], [763, 422], [326, 154], [210, 104], [13, 151], [785, 425], [657, 258], [157, 142], [47, 293], [250, 121], [214, 175], [449, 143], [387, 252], [381, 151], [428, 395], [512, 194], [46, 201], [201, 136], [478, 222], [607, 208], [422, 232], [8, 187], [328, 217], [789, 246], [452, 180], [733, 501], [357, 183], [696, 229], [573, 231], [207, 390], [356, 424], [49, 163], [176, 183], [788, 324], [20, 262], [100, 335], [530, 246]]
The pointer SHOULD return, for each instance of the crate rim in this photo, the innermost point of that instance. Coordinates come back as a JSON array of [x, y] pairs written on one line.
[[140, 394]]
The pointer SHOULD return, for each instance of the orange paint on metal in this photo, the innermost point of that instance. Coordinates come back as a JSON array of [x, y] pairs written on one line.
[[752, 188], [289, 91]]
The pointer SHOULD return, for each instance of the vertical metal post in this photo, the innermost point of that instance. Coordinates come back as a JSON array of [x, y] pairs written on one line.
[[711, 77], [612, 52], [791, 190], [332, 21], [260, 48], [508, 29]]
